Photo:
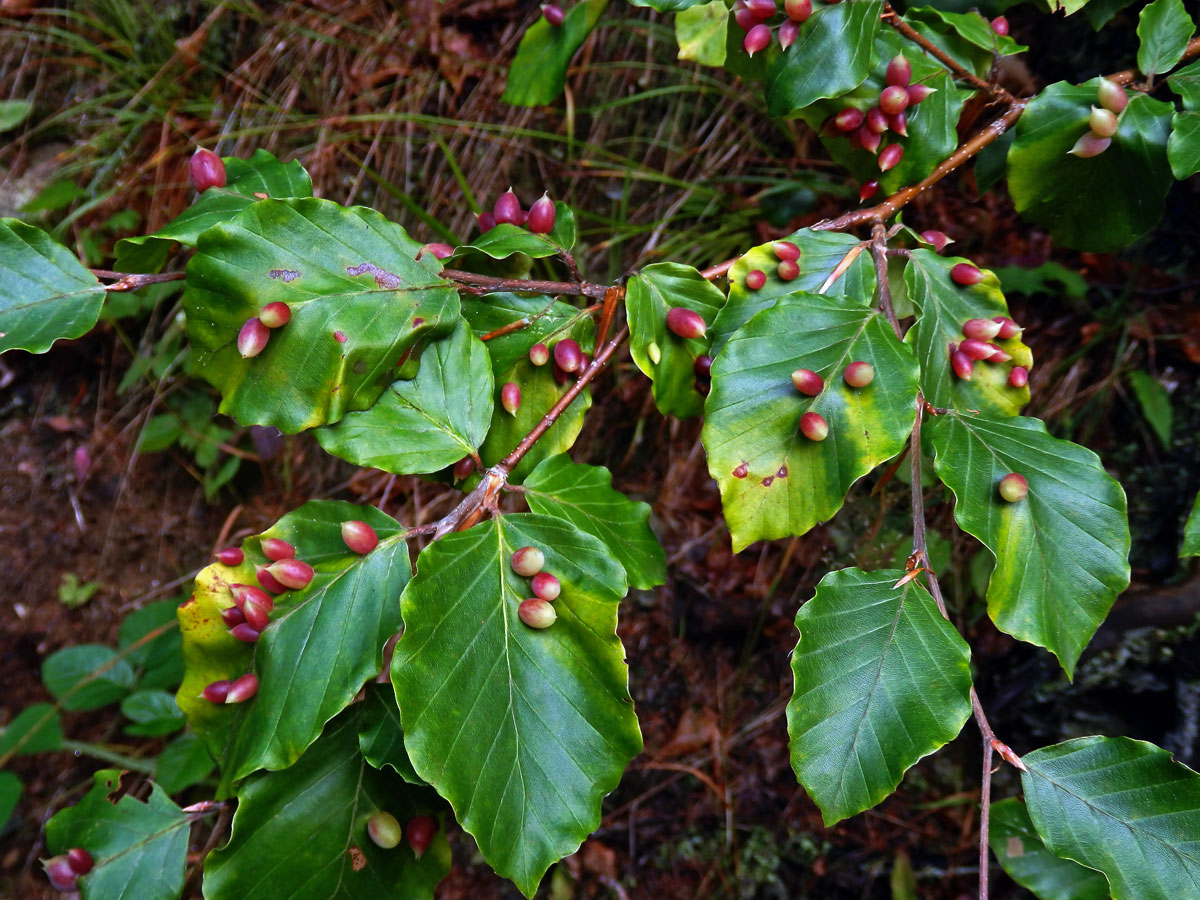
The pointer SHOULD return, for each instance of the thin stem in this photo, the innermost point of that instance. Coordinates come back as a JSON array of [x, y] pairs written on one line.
[[488, 283], [132, 281], [712, 273], [526, 321], [879, 252], [893, 19]]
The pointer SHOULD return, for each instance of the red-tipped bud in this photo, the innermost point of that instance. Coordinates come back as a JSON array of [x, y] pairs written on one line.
[[539, 354], [253, 337], [216, 691], [918, 92], [868, 190], [787, 270], [242, 593], [528, 561], [359, 536], [998, 355], [975, 349], [277, 549], [899, 72], [463, 468], [788, 32], [703, 366], [1013, 487], [207, 170], [756, 39], [785, 250], [1090, 145], [890, 156], [1018, 377], [1008, 328], [258, 613], [243, 689], [814, 427], [939, 239], [876, 120], [798, 10], [1103, 122], [867, 139], [848, 119], [275, 315], [1000, 25], [437, 249], [568, 355], [545, 587], [899, 123], [962, 364], [687, 323], [233, 616], [507, 209], [230, 556], [541, 215], [536, 613], [755, 279], [554, 15], [806, 381], [859, 374], [486, 222], [1112, 96], [421, 830], [60, 873], [267, 580], [292, 573], [966, 275], [744, 18], [510, 397], [245, 632], [894, 99], [383, 828], [80, 860], [981, 329]]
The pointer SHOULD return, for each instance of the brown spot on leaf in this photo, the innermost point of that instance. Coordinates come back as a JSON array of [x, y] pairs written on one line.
[[383, 278], [261, 195], [740, 471], [358, 859], [768, 481], [360, 367], [285, 275], [782, 473], [418, 322], [340, 337]]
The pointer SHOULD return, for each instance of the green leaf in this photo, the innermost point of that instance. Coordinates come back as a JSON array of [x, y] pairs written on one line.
[[381, 736], [45, 292], [506, 240], [524, 731], [10, 793], [584, 496], [1025, 858], [882, 680], [821, 252], [945, 306], [649, 296], [1191, 531], [12, 114], [547, 321], [261, 174], [1154, 402], [1183, 147], [159, 657], [1061, 552], [966, 36], [539, 70], [1123, 807], [87, 676], [1163, 31], [183, 763], [425, 424], [700, 32], [154, 713], [140, 849], [347, 272], [775, 482], [302, 834], [665, 5], [1100, 204], [35, 729], [1049, 277], [1186, 83], [833, 54], [324, 642]]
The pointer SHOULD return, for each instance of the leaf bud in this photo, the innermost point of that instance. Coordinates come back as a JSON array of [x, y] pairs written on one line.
[[788, 32], [463, 468], [703, 366], [536, 613], [893, 99], [292, 573], [383, 828], [241, 593], [528, 561], [359, 536], [1013, 487], [899, 123], [233, 616], [788, 270], [510, 397], [755, 279], [554, 15], [539, 355], [507, 209], [798, 10], [541, 215], [267, 580], [275, 315], [216, 691], [998, 355], [486, 222], [806, 381], [1000, 26], [545, 586], [252, 338], [899, 72], [962, 364], [230, 556], [80, 860], [859, 374], [1112, 96], [1008, 328], [276, 549], [687, 323], [60, 873], [848, 119], [868, 190], [918, 92], [1018, 377], [876, 120], [890, 156], [421, 830], [966, 275], [785, 250], [206, 170], [975, 349], [868, 139], [744, 18], [257, 613], [814, 427], [1089, 146], [1103, 122], [938, 239], [756, 39], [568, 354], [242, 688], [981, 329]]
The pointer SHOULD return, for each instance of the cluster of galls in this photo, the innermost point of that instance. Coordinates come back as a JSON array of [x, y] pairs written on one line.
[[977, 334], [866, 129], [788, 269], [250, 614], [569, 359], [536, 612], [1103, 121], [752, 17], [385, 831], [813, 425], [64, 870], [689, 325], [539, 219]]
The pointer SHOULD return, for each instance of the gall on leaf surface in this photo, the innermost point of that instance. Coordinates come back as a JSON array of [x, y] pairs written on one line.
[[944, 307], [1061, 552], [649, 296], [301, 834], [1120, 806], [1102, 203], [539, 70], [140, 849], [1023, 855], [46, 293], [426, 423], [584, 496], [548, 321], [821, 252], [354, 288], [323, 643], [524, 731], [881, 680], [508, 240], [774, 483]]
